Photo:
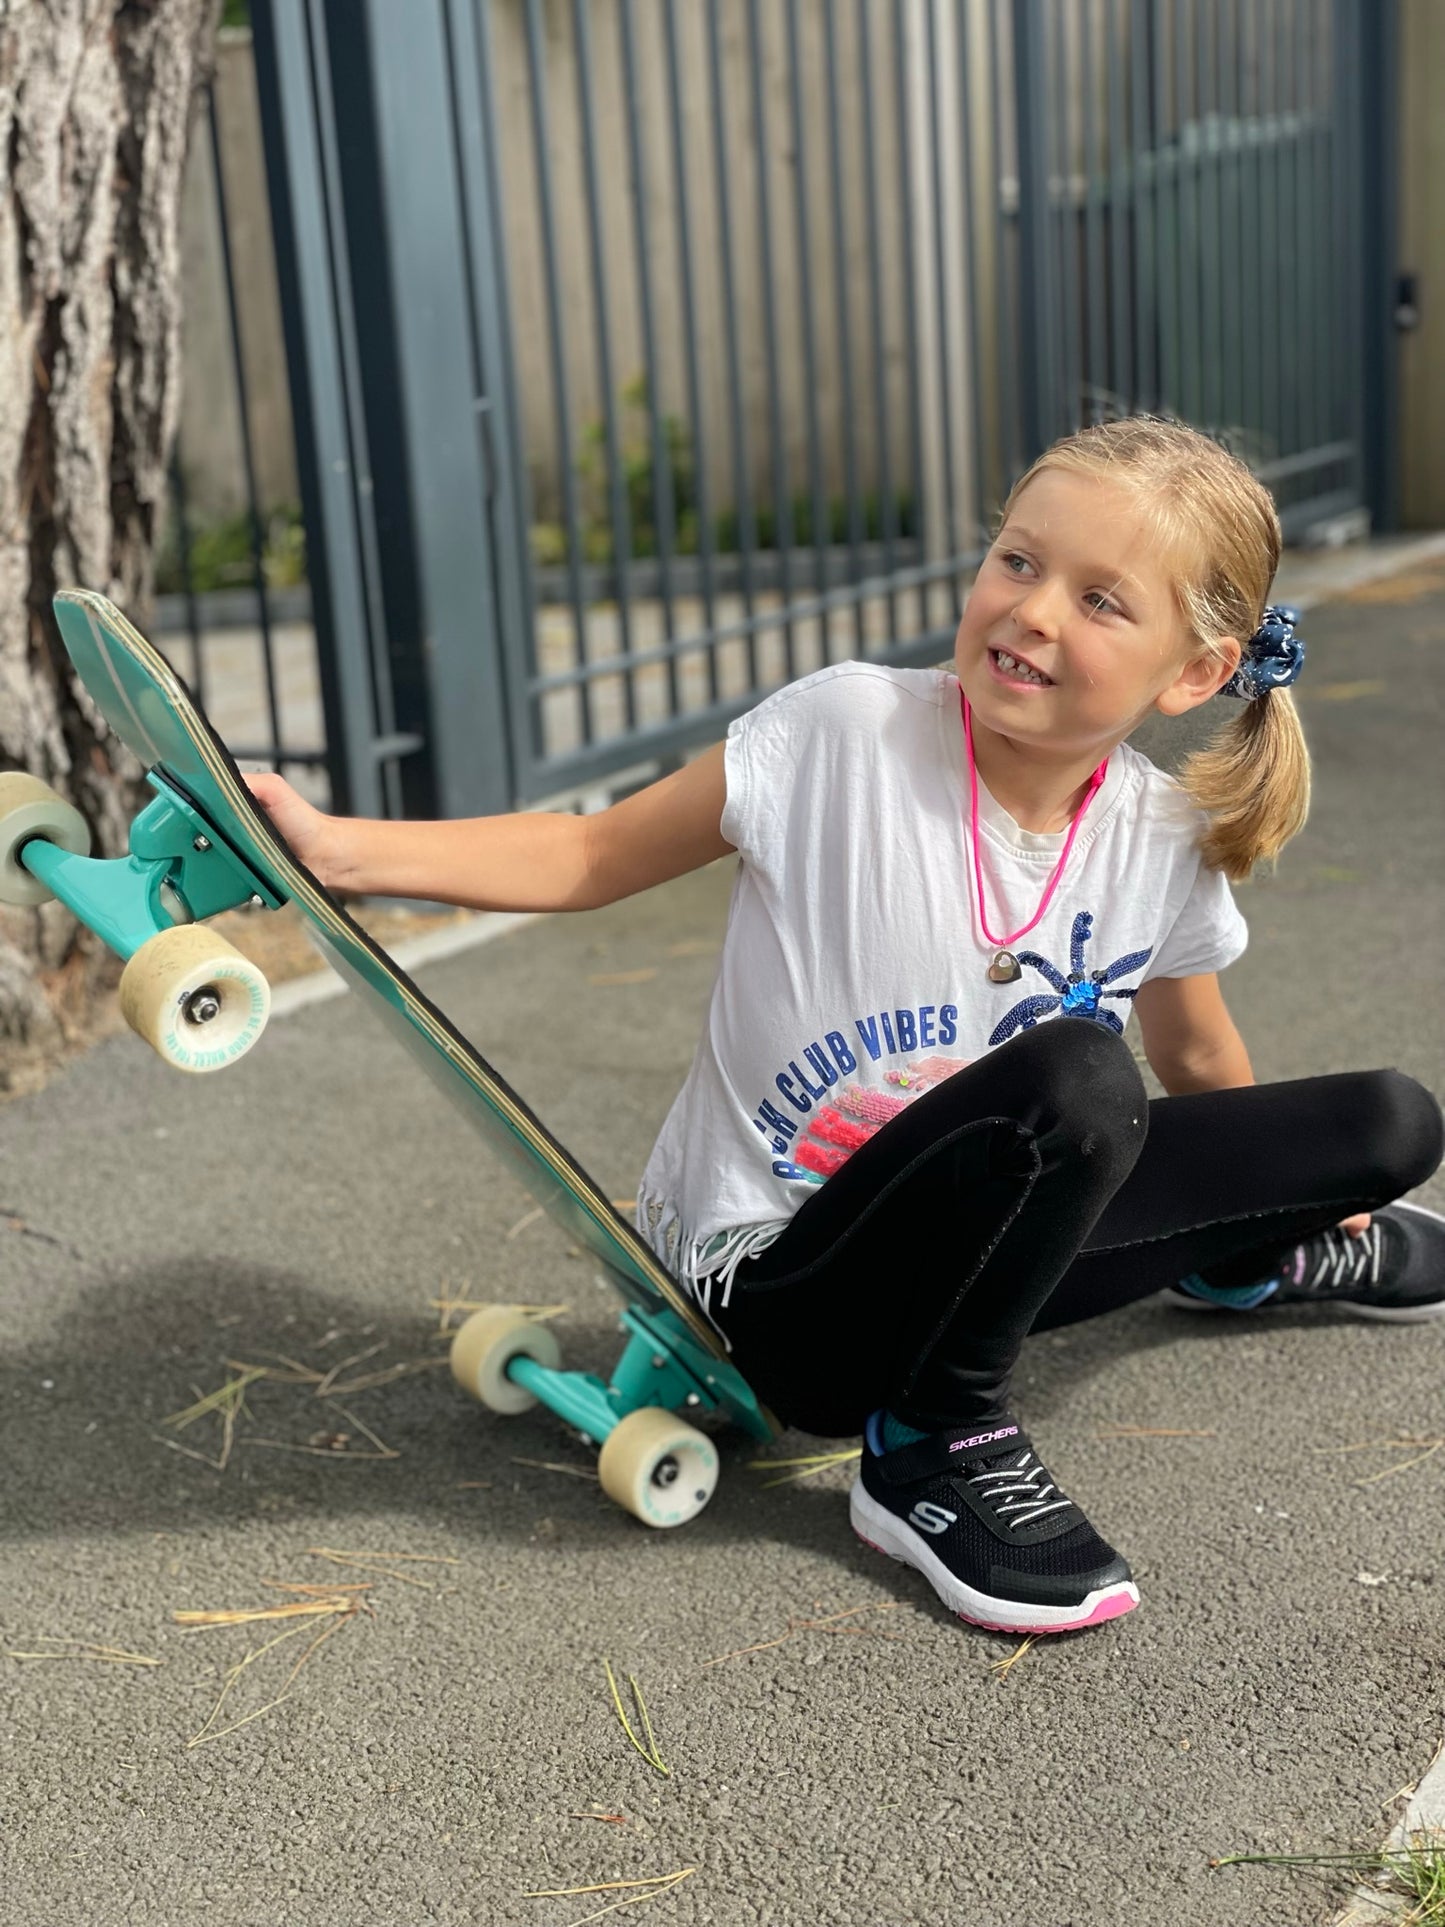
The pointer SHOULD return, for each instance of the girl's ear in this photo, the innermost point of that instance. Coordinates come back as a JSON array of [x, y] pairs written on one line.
[[1200, 678]]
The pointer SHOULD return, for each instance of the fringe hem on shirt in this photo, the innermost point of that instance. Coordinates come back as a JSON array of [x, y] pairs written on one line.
[[705, 1267]]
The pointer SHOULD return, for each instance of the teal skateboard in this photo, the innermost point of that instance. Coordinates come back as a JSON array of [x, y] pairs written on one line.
[[200, 847]]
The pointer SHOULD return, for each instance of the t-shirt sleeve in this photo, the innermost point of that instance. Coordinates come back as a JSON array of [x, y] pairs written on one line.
[[778, 754], [1208, 933]]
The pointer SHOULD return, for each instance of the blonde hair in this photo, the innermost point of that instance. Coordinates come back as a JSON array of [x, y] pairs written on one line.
[[1252, 779]]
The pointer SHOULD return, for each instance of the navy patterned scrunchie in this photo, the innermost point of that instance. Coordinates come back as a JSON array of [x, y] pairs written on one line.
[[1273, 656]]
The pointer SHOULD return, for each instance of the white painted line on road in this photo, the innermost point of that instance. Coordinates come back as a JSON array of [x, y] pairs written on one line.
[[446, 942], [1328, 579]]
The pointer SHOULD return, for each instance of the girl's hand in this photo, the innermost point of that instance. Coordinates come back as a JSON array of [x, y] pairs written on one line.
[[307, 831], [1357, 1225]]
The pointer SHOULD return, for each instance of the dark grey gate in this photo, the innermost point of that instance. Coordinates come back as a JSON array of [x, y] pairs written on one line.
[[652, 352]]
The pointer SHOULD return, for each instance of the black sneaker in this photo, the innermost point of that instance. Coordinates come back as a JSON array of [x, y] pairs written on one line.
[[1394, 1270], [981, 1519]]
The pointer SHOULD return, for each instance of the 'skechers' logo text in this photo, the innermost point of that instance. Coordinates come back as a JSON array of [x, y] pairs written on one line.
[[985, 1438]]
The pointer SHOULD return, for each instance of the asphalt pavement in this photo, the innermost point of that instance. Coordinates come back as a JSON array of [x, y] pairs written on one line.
[[452, 1746]]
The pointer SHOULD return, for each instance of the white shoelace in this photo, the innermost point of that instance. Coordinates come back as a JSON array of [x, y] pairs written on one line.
[[1346, 1261], [1026, 1486]]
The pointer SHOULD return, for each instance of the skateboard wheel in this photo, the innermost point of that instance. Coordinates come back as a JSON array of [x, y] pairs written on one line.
[[194, 998], [30, 808], [657, 1467], [487, 1342]]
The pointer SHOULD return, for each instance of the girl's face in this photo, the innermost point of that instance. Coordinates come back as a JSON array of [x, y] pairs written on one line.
[[1075, 585]]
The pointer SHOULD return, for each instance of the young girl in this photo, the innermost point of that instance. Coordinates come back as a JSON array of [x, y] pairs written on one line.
[[910, 1137]]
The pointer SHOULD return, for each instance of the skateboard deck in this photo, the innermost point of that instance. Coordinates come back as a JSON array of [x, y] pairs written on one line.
[[147, 705]]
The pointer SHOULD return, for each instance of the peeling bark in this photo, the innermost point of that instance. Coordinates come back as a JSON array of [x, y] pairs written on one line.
[[96, 104]]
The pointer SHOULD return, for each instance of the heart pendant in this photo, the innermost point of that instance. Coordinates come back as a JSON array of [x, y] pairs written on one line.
[[1005, 968]]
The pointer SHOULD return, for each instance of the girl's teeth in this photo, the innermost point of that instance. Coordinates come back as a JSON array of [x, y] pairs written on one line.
[[1013, 667]]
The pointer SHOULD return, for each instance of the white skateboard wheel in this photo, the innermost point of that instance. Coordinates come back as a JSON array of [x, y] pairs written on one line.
[[485, 1345], [194, 998], [30, 808], [658, 1467]]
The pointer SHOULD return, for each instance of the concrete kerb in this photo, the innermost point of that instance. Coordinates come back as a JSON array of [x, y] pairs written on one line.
[[1423, 1816], [1305, 579]]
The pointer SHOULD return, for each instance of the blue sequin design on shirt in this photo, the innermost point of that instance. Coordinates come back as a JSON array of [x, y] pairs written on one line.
[[1078, 995]]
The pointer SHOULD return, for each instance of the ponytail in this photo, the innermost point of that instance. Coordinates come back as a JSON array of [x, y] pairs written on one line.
[[1252, 780]]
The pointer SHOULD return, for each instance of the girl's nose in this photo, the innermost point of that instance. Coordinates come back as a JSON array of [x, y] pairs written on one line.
[[1038, 613]]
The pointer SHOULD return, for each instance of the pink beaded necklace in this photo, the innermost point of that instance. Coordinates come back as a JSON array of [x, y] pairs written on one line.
[[1004, 965]]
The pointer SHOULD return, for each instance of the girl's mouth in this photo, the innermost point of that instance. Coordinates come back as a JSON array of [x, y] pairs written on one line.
[[1017, 675]]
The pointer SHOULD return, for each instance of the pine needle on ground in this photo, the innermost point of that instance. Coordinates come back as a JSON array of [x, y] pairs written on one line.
[[1432, 1446], [1000, 1667], [85, 1649], [809, 1464], [648, 1752], [1150, 1432], [658, 1884], [829, 1623]]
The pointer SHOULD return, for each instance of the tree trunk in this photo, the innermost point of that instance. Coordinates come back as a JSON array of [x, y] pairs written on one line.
[[96, 104]]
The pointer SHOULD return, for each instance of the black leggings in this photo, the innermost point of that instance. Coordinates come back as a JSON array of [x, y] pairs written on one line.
[[1038, 1186]]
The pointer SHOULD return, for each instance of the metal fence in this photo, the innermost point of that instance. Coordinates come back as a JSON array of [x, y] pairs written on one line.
[[648, 355]]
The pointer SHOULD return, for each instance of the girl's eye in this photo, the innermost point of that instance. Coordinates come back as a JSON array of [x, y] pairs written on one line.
[[1102, 602]]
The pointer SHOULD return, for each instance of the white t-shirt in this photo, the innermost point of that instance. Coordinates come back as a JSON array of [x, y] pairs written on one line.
[[853, 974]]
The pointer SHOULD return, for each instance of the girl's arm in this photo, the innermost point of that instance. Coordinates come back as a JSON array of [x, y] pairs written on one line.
[[1189, 1035], [534, 860]]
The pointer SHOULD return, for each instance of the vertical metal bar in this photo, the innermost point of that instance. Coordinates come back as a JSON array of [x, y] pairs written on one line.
[[616, 490], [183, 554], [888, 507], [841, 316], [561, 393], [968, 241], [294, 88], [1121, 225], [941, 293], [1096, 359], [1250, 313], [689, 330], [742, 482], [1377, 175], [1007, 372], [1323, 302], [1166, 208], [1232, 216], [1306, 237], [243, 415], [1289, 252], [470, 60], [1146, 202], [1210, 56], [1274, 220], [1187, 217], [903, 120], [662, 485], [782, 491], [1060, 94], [820, 530], [1037, 298]]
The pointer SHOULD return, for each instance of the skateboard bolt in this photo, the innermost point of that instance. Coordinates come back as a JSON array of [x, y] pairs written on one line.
[[667, 1471], [203, 1005], [202, 843]]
